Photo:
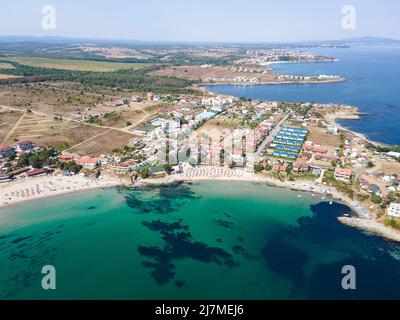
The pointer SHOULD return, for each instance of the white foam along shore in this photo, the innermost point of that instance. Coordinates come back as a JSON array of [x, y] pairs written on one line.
[[51, 185]]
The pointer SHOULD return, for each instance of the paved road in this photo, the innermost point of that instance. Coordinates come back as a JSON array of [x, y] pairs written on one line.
[[271, 136]]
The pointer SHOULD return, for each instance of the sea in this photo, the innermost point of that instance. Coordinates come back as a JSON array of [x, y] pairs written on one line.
[[373, 82], [206, 240]]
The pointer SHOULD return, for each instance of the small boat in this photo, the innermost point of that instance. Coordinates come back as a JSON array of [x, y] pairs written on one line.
[[299, 196], [331, 203]]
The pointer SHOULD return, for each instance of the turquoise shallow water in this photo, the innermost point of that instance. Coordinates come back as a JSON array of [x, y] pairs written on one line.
[[209, 240]]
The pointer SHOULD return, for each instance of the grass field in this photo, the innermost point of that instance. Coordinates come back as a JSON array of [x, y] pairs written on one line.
[[76, 65]]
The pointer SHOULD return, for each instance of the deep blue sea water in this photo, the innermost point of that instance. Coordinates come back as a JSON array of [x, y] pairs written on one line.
[[373, 86]]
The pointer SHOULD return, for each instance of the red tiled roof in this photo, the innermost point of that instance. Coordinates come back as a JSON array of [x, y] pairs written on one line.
[[5, 149], [300, 165], [87, 159], [68, 156], [35, 172], [24, 142], [346, 172]]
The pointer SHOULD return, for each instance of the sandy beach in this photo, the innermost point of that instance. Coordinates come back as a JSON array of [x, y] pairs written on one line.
[[46, 186], [226, 174]]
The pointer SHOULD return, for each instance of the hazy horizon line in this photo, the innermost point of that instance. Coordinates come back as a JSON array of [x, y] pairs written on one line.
[[58, 37]]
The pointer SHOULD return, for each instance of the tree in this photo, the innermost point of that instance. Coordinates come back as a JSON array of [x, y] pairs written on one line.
[[376, 199], [167, 168], [144, 173], [36, 162], [370, 164]]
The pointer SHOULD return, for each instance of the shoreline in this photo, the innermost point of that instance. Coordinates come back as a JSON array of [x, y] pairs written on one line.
[[305, 186], [271, 83], [373, 227], [308, 186], [366, 224], [268, 65], [44, 187], [333, 117]]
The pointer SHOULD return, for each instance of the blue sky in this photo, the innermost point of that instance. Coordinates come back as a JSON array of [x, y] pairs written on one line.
[[202, 20]]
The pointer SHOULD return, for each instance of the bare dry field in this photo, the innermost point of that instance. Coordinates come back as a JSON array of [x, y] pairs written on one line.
[[104, 143], [123, 118], [7, 76], [48, 131], [48, 100], [321, 137], [5, 65], [196, 73], [7, 121], [75, 65], [71, 135], [214, 131], [88, 89], [387, 167], [223, 123]]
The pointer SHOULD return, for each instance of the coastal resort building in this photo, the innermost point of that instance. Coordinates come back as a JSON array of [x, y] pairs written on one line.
[[66, 157], [364, 184], [136, 98], [394, 210], [288, 142], [7, 177], [36, 173], [121, 102], [374, 189], [279, 168], [150, 96], [88, 162], [158, 172], [324, 158], [158, 122], [6, 152], [343, 174], [85, 161], [301, 167], [25, 145]]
